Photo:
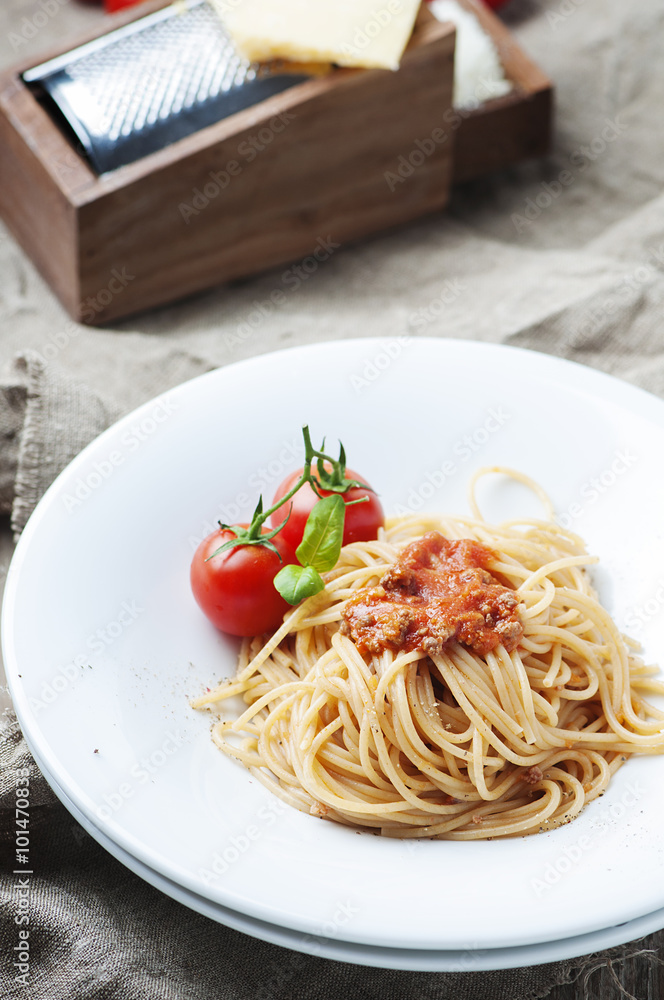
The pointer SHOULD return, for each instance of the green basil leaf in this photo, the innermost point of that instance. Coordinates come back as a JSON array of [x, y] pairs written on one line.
[[294, 583], [323, 533]]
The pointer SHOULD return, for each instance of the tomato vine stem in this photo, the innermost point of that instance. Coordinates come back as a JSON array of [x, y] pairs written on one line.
[[330, 476]]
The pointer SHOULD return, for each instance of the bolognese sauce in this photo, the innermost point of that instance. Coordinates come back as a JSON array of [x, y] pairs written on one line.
[[437, 591]]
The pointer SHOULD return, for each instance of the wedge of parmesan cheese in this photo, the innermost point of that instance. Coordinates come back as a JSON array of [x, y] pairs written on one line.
[[372, 33]]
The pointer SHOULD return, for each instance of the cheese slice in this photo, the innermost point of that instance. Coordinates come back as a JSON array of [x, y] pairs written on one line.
[[371, 33]]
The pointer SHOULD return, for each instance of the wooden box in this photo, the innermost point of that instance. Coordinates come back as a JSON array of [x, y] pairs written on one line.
[[195, 214]]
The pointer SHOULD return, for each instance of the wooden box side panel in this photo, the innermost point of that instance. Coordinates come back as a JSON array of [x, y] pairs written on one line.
[[32, 203], [354, 158], [494, 138]]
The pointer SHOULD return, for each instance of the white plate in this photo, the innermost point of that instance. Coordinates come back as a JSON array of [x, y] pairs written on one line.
[[104, 644], [468, 960]]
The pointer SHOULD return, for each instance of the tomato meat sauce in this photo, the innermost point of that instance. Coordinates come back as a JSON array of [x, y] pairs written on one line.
[[438, 591]]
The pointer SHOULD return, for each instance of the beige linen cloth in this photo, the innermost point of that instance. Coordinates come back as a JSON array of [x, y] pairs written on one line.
[[573, 269]]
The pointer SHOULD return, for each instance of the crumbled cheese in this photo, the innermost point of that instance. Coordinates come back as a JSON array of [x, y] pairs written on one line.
[[478, 74], [372, 33]]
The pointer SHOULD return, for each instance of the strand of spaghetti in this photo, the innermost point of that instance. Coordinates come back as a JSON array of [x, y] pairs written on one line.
[[530, 614], [561, 537], [299, 613], [365, 748], [390, 771], [409, 741], [554, 567], [422, 722], [513, 474], [616, 723], [420, 785], [382, 698], [224, 690], [483, 722], [322, 736], [294, 687], [618, 661], [364, 710], [268, 746], [249, 759], [573, 642], [460, 670], [478, 829], [323, 787], [544, 710], [511, 701], [512, 667]]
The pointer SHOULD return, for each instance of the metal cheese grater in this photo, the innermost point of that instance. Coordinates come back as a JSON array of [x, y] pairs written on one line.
[[152, 82]]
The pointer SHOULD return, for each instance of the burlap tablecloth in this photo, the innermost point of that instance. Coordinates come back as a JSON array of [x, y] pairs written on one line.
[[574, 269]]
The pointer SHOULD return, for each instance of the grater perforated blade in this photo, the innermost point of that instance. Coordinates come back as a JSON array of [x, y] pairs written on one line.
[[146, 85]]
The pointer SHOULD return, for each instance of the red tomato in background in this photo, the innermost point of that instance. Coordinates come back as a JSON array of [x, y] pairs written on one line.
[[110, 6], [235, 590], [361, 523]]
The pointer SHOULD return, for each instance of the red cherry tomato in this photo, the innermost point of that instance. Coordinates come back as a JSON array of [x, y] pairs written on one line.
[[362, 519], [235, 589]]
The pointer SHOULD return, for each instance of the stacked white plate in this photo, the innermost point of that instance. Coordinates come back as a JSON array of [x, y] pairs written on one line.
[[104, 646]]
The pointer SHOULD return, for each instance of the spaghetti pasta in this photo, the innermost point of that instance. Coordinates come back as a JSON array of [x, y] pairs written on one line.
[[447, 744]]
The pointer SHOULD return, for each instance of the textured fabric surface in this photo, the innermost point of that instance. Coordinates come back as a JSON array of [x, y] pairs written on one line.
[[46, 418], [573, 268], [13, 402]]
